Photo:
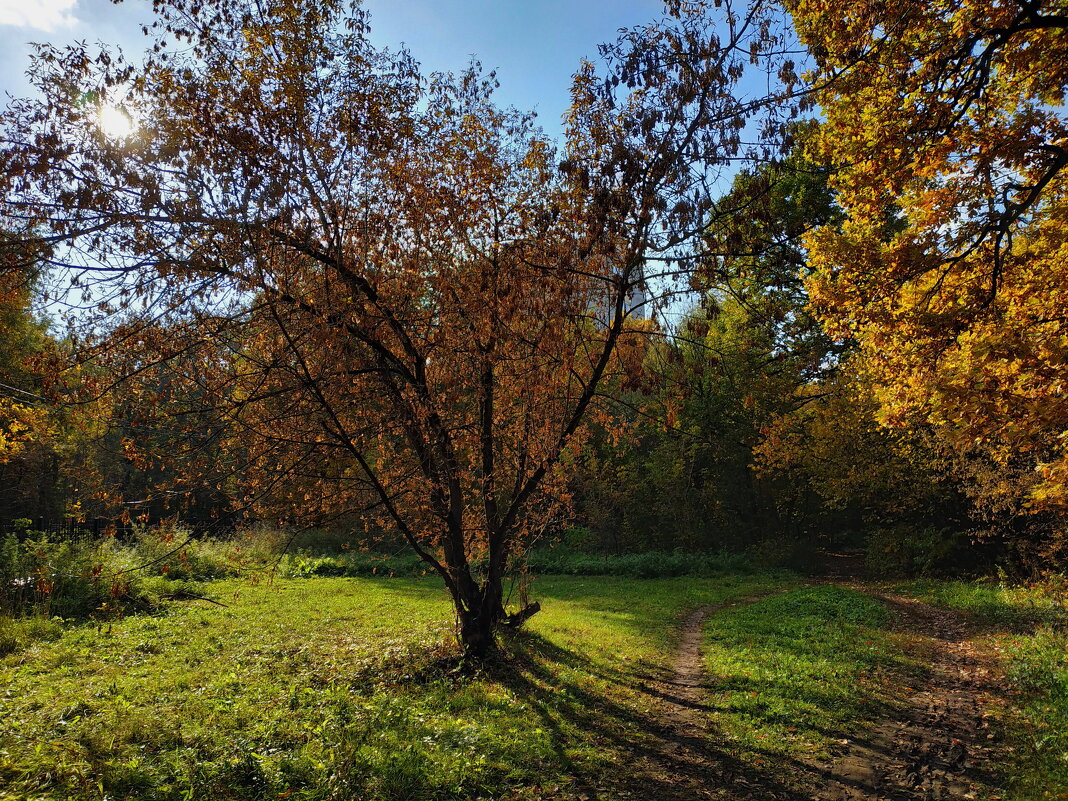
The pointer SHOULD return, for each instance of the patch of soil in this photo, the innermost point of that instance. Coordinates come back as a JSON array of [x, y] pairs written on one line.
[[939, 745], [682, 759]]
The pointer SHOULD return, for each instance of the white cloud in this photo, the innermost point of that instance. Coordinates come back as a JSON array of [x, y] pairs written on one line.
[[45, 15]]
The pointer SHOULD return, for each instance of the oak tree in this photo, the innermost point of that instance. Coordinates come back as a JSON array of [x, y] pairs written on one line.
[[393, 299], [946, 124]]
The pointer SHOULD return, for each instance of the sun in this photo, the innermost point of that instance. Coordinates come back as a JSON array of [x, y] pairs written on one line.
[[115, 122]]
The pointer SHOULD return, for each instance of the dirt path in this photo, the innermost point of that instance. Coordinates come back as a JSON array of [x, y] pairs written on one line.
[[939, 744], [688, 676], [682, 758]]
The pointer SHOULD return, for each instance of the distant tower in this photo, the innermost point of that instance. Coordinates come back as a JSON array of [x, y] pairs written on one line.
[[636, 300]]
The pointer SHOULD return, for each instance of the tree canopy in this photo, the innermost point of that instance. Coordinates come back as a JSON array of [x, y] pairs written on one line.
[[946, 132], [394, 299]]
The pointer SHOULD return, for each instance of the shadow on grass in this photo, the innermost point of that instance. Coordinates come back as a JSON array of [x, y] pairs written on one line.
[[622, 733], [640, 753]]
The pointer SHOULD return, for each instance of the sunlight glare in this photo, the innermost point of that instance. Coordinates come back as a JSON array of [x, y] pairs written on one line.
[[115, 122]]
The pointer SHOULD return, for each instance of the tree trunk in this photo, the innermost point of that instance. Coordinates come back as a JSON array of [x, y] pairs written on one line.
[[481, 617], [478, 629]]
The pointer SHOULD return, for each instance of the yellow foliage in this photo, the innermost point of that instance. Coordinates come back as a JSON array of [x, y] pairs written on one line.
[[20, 427], [951, 272]]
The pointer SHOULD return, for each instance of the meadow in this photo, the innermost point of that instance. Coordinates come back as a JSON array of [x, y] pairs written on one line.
[[340, 687]]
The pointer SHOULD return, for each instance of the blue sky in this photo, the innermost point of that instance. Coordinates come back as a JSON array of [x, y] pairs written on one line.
[[535, 45]]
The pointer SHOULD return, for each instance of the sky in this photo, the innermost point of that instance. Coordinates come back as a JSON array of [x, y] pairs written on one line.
[[534, 45]]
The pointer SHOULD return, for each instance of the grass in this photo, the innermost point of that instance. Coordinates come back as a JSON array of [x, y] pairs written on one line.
[[326, 688], [544, 561], [1025, 625], [335, 688], [797, 671], [992, 603]]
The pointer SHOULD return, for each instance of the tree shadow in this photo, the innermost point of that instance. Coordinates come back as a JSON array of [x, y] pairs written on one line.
[[647, 755], [660, 741]]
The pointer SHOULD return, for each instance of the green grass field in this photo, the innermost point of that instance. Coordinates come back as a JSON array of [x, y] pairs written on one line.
[[343, 688], [337, 688], [797, 670]]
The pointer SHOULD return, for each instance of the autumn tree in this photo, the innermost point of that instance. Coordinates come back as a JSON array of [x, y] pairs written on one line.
[[383, 286], [27, 427], [697, 404], [864, 476], [949, 117]]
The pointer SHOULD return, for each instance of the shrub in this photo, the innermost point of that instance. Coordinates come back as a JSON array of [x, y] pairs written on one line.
[[907, 550], [652, 564], [319, 541], [355, 563], [65, 579], [544, 561], [176, 554]]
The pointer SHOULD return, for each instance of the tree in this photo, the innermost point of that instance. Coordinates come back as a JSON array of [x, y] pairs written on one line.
[[31, 431], [835, 448], [952, 115], [381, 284], [705, 393]]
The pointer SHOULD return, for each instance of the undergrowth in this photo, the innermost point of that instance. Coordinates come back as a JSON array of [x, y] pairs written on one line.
[[651, 564]]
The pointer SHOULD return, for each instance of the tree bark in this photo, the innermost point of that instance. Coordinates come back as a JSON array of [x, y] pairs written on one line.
[[481, 617], [478, 630]]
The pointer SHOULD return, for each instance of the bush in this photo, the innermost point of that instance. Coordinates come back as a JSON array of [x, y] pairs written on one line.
[[355, 563], [907, 551], [41, 577], [652, 564], [174, 553], [544, 561], [319, 541]]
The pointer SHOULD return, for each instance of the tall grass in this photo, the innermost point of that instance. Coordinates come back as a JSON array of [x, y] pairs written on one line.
[[63, 579]]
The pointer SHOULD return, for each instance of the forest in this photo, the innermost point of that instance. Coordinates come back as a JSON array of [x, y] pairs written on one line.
[[361, 437]]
